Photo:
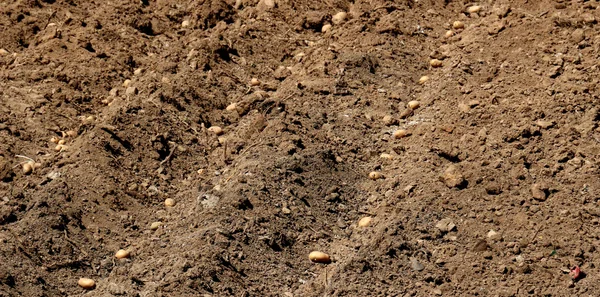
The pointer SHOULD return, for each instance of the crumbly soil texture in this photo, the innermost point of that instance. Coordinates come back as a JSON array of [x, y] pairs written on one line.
[[274, 126]]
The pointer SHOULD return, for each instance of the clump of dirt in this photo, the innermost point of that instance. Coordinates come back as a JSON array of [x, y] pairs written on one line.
[[493, 190]]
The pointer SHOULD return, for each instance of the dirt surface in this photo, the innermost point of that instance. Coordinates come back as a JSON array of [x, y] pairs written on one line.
[[493, 189]]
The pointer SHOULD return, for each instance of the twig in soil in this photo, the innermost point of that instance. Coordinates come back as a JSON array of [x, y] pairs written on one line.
[[170, 153]]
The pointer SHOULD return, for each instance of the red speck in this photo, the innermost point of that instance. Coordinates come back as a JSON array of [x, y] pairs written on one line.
[[575, 272]]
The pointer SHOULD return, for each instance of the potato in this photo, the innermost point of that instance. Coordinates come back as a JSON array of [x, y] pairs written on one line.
[[435, 63], [122, 254], [474, 9], [365, 222], [254, 82], [339, 17], [231, 107], [375, 175], [155, 225], [216, 129], [169, 202], [449, 33], [60, 147], [414, 104], [423, 79], [386, 156], [54, 139], [71, 133], [185, 24], [138, 71], [27, 168], [326, 28], [458, 25], [401, 133], [86, 283], [319, 257], [126, 83], [62, 141]]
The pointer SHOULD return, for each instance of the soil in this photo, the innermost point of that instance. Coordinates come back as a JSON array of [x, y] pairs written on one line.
[[494, 191]]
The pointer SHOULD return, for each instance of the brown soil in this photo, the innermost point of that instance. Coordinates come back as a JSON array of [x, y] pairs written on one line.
[[495, 191]]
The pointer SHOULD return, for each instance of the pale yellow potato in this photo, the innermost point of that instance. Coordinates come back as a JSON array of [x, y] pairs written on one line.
[[122, 254], [435, 63], [401, 133], [216, 129], [458, 25], [339, 17], [319, 257], [414, 104], [423, 79], [254, 82], [27, 168], [169, 202], [365, 222], [375, 175], [86, 283]]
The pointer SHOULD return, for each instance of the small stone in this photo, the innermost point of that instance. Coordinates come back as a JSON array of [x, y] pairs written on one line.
[[423, 79], [131, 91], [445, 225], [416, 265], [138, 71], [578, 35], [463, 107], [282, 73], [437, 292], [339, 18], [539, 192], [544, 124], [286, 210], [3, 52], [493, 235], [452, 178], [269, 4], [126, 83], [586, 17], [480, 246], [185, 24], [389, 120], [114, 92]]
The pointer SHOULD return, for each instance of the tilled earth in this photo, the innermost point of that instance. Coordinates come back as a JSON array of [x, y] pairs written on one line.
[[490, 189]]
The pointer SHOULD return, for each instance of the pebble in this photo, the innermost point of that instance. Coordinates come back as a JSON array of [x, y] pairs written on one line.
[[493, 235], [231, 107], [445, 225], [126, 83], [185, 24], [544, 124], [423, 79], [452, 178], [131, 91], [386, 156], [538, 191], [389, 120], [416, 265], [3, 52]]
